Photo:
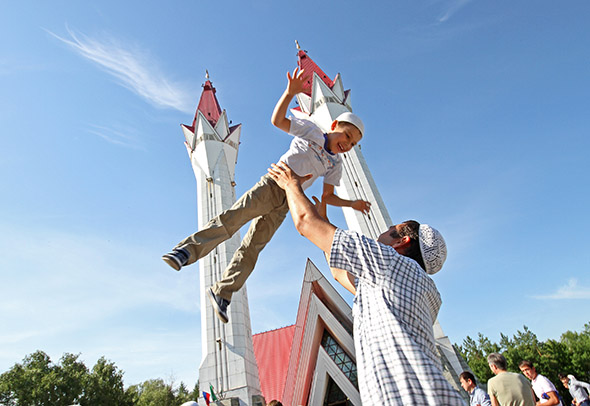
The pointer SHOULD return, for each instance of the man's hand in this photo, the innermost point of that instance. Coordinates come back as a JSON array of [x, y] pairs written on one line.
[[296, 82], [361, 205], [284, 176]]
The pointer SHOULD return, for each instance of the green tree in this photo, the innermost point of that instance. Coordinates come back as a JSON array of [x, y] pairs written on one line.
[[155, 392], [578, 347], [37, 381], [196, 392], [183, 395], [104, 386], [475, 353]]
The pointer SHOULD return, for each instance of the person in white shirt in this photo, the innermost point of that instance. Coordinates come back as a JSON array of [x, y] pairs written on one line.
[[543, 387]]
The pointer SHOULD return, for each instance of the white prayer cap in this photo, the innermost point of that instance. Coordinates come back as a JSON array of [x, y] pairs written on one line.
[[433, 248], [352, 119]]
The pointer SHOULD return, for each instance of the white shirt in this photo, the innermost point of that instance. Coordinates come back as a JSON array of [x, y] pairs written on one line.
[[394, 309], [542, 386], [307, 155]]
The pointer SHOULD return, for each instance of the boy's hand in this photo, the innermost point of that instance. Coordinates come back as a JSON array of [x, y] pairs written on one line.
[[296, 83], [361, 205], [285, 176], [320, 206]]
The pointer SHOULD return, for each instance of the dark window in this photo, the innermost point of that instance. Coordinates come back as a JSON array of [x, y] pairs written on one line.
[[335, 396]]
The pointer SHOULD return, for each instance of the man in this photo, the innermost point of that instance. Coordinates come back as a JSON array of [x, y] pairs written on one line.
[[395, 304], [508, 388], [543, 387], [477, 396], [578, 389]]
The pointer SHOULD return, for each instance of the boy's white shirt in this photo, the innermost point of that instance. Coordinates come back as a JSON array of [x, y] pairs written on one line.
[[307, 155]]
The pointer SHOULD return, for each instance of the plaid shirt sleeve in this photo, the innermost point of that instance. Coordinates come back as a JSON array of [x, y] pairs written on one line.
[[363, 257]]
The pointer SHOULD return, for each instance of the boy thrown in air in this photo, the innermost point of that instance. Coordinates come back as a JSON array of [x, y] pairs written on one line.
[[312, 154]]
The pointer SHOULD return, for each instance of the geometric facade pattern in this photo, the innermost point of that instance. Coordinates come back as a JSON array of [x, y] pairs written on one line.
[[340, 358]]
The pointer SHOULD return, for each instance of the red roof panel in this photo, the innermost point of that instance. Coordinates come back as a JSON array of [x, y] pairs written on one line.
[[208, 105], [272, 350], [306, 63]]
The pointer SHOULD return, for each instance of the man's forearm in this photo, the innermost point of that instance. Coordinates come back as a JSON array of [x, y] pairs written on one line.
[[307, 220], [302, 210]]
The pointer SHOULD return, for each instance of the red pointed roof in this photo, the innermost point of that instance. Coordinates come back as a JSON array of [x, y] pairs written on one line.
[[305, 62], [272, 350], [208, 105]]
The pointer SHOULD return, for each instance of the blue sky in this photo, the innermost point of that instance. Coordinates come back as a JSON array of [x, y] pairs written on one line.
[[476, 116]]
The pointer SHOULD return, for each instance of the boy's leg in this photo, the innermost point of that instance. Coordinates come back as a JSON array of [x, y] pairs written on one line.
[[242, 264], [252, 204]]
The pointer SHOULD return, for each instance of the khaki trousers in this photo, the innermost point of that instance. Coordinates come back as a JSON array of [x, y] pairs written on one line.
[[266, 205]]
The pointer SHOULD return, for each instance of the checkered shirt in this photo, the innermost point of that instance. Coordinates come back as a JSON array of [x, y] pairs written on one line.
[[395, 306]]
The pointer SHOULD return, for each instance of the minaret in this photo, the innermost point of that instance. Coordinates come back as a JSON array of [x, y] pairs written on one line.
[[324, 100], [228, 361]]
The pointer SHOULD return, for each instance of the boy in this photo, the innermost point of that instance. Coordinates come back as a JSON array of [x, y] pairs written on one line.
[[311, 153]]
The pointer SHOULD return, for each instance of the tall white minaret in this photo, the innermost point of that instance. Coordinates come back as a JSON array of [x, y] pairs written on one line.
[[324, 100], [228, 362]]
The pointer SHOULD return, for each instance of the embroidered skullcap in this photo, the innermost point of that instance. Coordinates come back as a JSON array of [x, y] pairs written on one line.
[[433, 248], [352, 119]]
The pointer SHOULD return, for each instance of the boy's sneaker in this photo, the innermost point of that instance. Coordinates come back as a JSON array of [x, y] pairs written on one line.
[[177, 258], [219, 305]]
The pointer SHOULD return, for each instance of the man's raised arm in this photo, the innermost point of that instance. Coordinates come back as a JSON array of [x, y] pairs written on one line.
[[306, 218]]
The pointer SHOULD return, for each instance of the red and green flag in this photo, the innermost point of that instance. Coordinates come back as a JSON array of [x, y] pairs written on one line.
[[213, 397]]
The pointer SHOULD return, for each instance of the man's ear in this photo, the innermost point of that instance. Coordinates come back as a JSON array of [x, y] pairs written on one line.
[[334, 124], [402, 242]]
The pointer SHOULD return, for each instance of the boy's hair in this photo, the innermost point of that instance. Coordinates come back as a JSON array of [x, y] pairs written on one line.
[[562, 376], [498, 360], [526, 363], [411, 228], [274, 402], [468, 376]]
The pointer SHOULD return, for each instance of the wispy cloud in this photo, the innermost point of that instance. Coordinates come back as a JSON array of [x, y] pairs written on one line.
[[570, 291], [124, 138], [452, 7], [134, 68]]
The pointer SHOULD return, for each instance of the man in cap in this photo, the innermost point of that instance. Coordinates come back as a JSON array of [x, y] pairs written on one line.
[[395, 305]]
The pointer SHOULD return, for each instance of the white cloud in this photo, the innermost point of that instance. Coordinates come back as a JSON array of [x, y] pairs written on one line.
[[123, 138], [452, 8], [134, 68], [569, 291]]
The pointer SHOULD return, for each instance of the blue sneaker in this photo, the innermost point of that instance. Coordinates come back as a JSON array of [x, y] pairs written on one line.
[[219, 305], [177, 258]]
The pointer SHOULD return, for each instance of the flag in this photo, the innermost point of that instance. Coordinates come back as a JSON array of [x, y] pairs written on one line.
[[213, 397], [206, 396]]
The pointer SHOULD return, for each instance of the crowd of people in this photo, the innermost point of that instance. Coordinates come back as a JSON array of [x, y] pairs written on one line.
[[513, 389]]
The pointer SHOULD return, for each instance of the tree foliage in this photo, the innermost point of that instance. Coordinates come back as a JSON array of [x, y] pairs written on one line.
[[570, 354], [38, 381]]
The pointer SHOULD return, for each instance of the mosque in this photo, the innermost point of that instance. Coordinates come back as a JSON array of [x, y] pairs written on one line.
[[311, 362]]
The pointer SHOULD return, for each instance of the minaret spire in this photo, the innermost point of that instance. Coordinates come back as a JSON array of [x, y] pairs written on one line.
[[326, 100], [228, 362]]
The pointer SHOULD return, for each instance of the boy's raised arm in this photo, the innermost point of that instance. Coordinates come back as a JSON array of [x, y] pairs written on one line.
[[295, 84]]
